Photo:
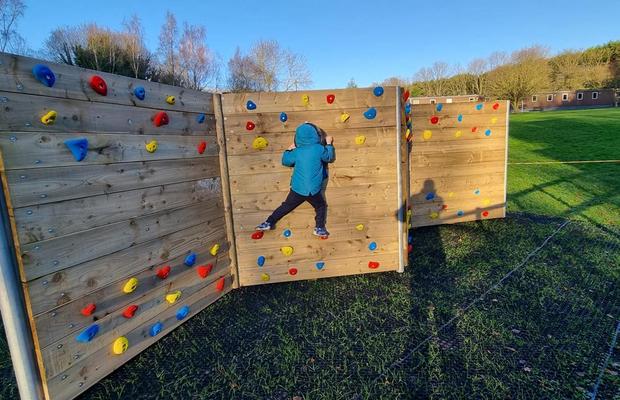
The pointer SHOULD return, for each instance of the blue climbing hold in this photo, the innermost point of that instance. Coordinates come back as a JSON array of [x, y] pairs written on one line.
[[260, 261], [430, 196], [410, 239], [460, 118], [287, 233], [477, 192], [139, 92], [487, 132], [190, 259], [408, 108], [250, 105], [44, 74], [372, 246], [409, 125], [200, 118], [371, 113], [78, 147], [378, 91], [88, 334], [460, 213], [283, 117], [156, 328], [320, 265], [182, 313], [479, 106], [439, 107]]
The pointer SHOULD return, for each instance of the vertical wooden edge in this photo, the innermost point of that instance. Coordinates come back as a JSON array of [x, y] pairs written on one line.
[[506, 159], [224, 173], [401, 212]]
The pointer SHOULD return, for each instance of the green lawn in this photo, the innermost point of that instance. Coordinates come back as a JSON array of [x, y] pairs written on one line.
[[522, 308]]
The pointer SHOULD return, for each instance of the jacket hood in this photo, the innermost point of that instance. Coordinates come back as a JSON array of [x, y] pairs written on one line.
[[305, 135]]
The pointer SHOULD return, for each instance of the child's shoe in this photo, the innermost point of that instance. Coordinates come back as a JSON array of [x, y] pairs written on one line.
[[265, 226], [320, 232]]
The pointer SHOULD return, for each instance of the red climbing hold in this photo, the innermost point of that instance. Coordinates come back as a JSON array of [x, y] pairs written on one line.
[[202, 146], [204, 270], [444, 207], [258, 235], [130, 311], [292, 271], [161, 118], [495, 106], [373, 264], [250, 125], [163, 272], [410, 249], [98, 85], [330, 98], [434, 119], [89, 310], [219, 286], [323, 237], [406, 96], [474, 129], [485, 213]]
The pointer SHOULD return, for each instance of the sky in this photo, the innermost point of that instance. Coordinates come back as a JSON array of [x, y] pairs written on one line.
[[366, 40]]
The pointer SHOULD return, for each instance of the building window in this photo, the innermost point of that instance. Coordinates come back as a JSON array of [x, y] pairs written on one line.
[[579, 96], [549, 97], [534, 99], [415, 101], [448, 100], [564, 96], [594, 95], [472, 99], [433, 101]]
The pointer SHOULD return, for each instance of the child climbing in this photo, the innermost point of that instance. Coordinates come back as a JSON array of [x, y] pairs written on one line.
[[308, 157]]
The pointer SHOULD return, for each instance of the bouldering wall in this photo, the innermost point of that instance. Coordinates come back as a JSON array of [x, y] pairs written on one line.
[[362, 192], [116, 203], [458, 162]]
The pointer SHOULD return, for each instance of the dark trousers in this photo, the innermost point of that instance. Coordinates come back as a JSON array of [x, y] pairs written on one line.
[[294, 200]]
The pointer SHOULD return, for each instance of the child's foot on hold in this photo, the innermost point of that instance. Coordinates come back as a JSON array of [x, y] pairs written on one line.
[[265, 226], [321, 232]]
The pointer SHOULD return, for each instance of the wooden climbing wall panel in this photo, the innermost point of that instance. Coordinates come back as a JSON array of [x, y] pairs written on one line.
[[362, 190], [84, 229], [458, 162]]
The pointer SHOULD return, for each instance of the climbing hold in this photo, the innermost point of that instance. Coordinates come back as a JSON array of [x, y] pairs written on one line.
[[163, 272], [160, 119], [320, 265], [439, 107], [371, 113], [485, 214], [283, 117], [204, 270], [305, 99], [444, 206], [434, 215], [88, 334], [359, 227], [495, 106], [250, 105], [151, 146], [258, 235], [373, 264], [477, 192], [44, 74], [434, 119], [410, 238], [479, 106], [494, 120], [474, 129], [372, 246], [130, 311], [406, 95], [409, 125], [173, 297], [410, 248], [260, 261], [292, 271], [139, 92], [330, 98], [450, 194], [49, 118], [460, 118], [260, 143], [202, 146], [344, 117], [487, 132], [430, 196], [286, 250], [182, 312], [287, 233], [214, 249], [427, 134], [219, 286], [360, 139], [98, 85], [78, 147], [250, 125], [378, 91], [120, 345], [264, 277], [458, 134], [89, 310], [171, 100], [200, 118], [486, 202], [190, 260], [408, 108], [156, 328], [460, 213], [408, 135], [130, 285]]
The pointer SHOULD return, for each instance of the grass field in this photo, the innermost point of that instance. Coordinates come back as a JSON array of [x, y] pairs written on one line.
[[522, 308]]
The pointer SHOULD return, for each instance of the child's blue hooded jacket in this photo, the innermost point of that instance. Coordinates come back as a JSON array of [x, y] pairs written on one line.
[[308, 159]]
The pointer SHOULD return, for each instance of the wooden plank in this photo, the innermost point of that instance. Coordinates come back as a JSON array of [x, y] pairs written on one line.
[[73, 83], [465, 108], [453, 195], [460, 158], [448, 135], [23, 112], [44, 150], [452, 218], [52, 220], [87, 371], [457, 145], [477, 169], [47, 185], [235, 103], [53, 290]]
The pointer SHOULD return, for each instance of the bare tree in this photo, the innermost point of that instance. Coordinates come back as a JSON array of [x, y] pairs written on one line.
[[197, 62], [168, 43], [10, 12], [61, 43], [351, 84], [133, 43], [477, 69], [241, 71], [296, 75]]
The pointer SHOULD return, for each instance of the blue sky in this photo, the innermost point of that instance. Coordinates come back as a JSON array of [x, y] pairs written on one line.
[[365, 40]]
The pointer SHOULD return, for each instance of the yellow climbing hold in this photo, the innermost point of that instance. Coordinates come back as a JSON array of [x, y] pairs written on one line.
[[264, 277], [130, 285], [214, 249], [427, 134], [451, 194], [360, 139], [305, 99], [121, 344], [49, 118], [344, 117], [409, 214], [458, 134], [434, 215], [486, 202], [171, 100], [151, 146], [260, 143], [173, 297], [287, 250], [359, 227], [408, 134], [493, 120]]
